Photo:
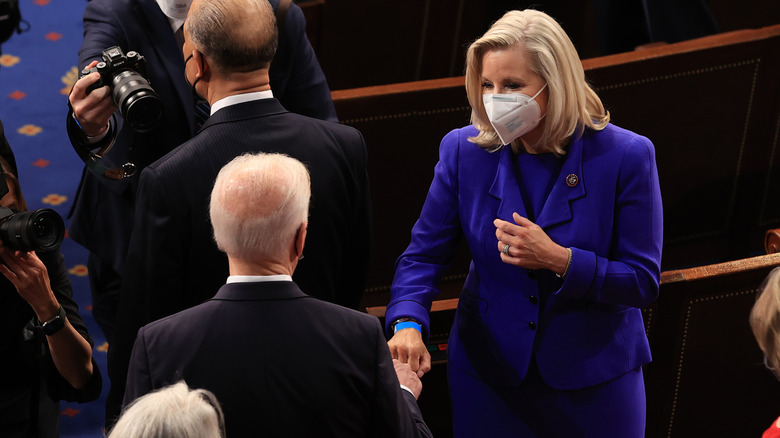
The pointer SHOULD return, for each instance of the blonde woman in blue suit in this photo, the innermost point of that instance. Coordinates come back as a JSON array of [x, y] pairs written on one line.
[[562, 213]]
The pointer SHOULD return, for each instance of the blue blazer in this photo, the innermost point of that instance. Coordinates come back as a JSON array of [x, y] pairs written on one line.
[[102, 214], [582, 331]]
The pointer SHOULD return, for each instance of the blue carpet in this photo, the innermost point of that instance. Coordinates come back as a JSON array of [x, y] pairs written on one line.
[[37, 69]]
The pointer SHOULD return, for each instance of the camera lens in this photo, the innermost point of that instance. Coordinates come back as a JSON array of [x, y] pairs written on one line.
[[39, 230], [140, 105]]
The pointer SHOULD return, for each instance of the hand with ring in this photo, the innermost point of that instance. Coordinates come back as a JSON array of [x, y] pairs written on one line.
[[526, 245], [505, 250]]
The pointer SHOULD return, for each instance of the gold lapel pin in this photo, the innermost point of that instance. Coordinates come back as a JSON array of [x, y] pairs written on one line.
[[572, 180]]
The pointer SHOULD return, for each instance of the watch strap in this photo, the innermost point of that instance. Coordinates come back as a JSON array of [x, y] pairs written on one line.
[[402, 323], [55, 324]]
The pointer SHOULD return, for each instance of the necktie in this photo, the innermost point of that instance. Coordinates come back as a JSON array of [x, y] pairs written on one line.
[[179, 34]]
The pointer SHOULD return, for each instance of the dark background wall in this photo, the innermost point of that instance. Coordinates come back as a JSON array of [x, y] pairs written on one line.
[[362, 43]]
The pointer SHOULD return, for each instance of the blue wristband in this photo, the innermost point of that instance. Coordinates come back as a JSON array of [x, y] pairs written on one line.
[[407, 324]]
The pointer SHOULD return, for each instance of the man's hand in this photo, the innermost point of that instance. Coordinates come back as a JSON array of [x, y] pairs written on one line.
[[407, 346], [92, 110], [407, 377]]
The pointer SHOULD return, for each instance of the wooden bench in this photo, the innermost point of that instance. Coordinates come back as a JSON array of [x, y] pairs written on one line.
[[711, 106], [707, 377], [772, 241]]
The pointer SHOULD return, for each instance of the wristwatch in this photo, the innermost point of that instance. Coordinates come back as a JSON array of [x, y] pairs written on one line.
[[55, 324], [403, 323]]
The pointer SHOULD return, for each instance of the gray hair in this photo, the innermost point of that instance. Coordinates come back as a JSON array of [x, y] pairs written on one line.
[[175, 411], [237, 35], [258, 204]]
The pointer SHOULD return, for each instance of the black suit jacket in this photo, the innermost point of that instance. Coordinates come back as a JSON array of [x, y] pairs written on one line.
[[102, 212], [281, 364], [173, 262]]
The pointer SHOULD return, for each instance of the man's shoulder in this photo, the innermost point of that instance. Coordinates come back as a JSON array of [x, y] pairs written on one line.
[[342, 318], [114, 5], [168, 325], [337, 129]]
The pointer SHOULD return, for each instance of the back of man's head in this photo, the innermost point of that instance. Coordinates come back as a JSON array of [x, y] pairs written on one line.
[[258, 204], [236, 35]]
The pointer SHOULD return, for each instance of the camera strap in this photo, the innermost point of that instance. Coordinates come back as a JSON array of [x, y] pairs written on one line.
[[94, 154]]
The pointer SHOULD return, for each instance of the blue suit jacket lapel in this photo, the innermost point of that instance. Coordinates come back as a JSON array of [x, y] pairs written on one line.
[[505, 188], [168, 52], [557, 209]]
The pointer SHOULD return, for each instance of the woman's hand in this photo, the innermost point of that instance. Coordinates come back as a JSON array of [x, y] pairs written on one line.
[[71, 353], [529, 246], [407, 346], [29, 275]]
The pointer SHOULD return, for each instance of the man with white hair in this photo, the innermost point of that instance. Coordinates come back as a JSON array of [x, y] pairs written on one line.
[[280, 362], [172, 261]]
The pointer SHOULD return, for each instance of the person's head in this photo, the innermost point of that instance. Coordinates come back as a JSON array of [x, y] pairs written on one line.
[[235, 36], [259, 208], [13, 199], [765, 320], [175, 411], [176, 9], [530, 49]]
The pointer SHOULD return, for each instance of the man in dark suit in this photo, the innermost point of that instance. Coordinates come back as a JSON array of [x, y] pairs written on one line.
[[172, 262], [280, 362], [103, 209]]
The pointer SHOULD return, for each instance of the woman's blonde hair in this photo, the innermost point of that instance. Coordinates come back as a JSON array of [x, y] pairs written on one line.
[[765, 320], [572, 103]]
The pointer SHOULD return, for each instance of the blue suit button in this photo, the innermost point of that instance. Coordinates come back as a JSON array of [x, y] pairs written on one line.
[[532, 325], [531, 274], [533, 299]]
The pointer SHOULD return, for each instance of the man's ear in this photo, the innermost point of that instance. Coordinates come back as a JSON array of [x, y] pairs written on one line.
[[202, 68], [300, 239]]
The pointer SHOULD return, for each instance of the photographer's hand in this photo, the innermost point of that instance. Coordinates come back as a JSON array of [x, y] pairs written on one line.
[[92, 110], [29, 275], [71, 353]]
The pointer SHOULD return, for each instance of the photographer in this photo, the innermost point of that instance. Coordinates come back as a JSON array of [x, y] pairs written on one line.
[[103, 209], [44, 345]]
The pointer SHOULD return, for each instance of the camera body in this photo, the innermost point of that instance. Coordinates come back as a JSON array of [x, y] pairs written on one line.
[[125, 75], [39, 230], [114, 62]]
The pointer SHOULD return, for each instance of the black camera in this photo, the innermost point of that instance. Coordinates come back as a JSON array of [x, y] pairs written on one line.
[[126, 76], [39, 230]]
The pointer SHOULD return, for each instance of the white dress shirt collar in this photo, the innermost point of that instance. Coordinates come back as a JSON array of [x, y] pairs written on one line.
[[257, 278], [240, 98]]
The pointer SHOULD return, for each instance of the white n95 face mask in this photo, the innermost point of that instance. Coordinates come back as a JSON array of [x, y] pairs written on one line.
[[176, 9], [512, 115]]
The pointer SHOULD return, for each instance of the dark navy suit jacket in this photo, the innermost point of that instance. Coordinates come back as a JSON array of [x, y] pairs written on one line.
[[582, 331], [281, 363], [102, 213], [173, 262]]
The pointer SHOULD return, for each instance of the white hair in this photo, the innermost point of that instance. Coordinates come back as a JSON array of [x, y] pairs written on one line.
[[258, 204], [175, 411]]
